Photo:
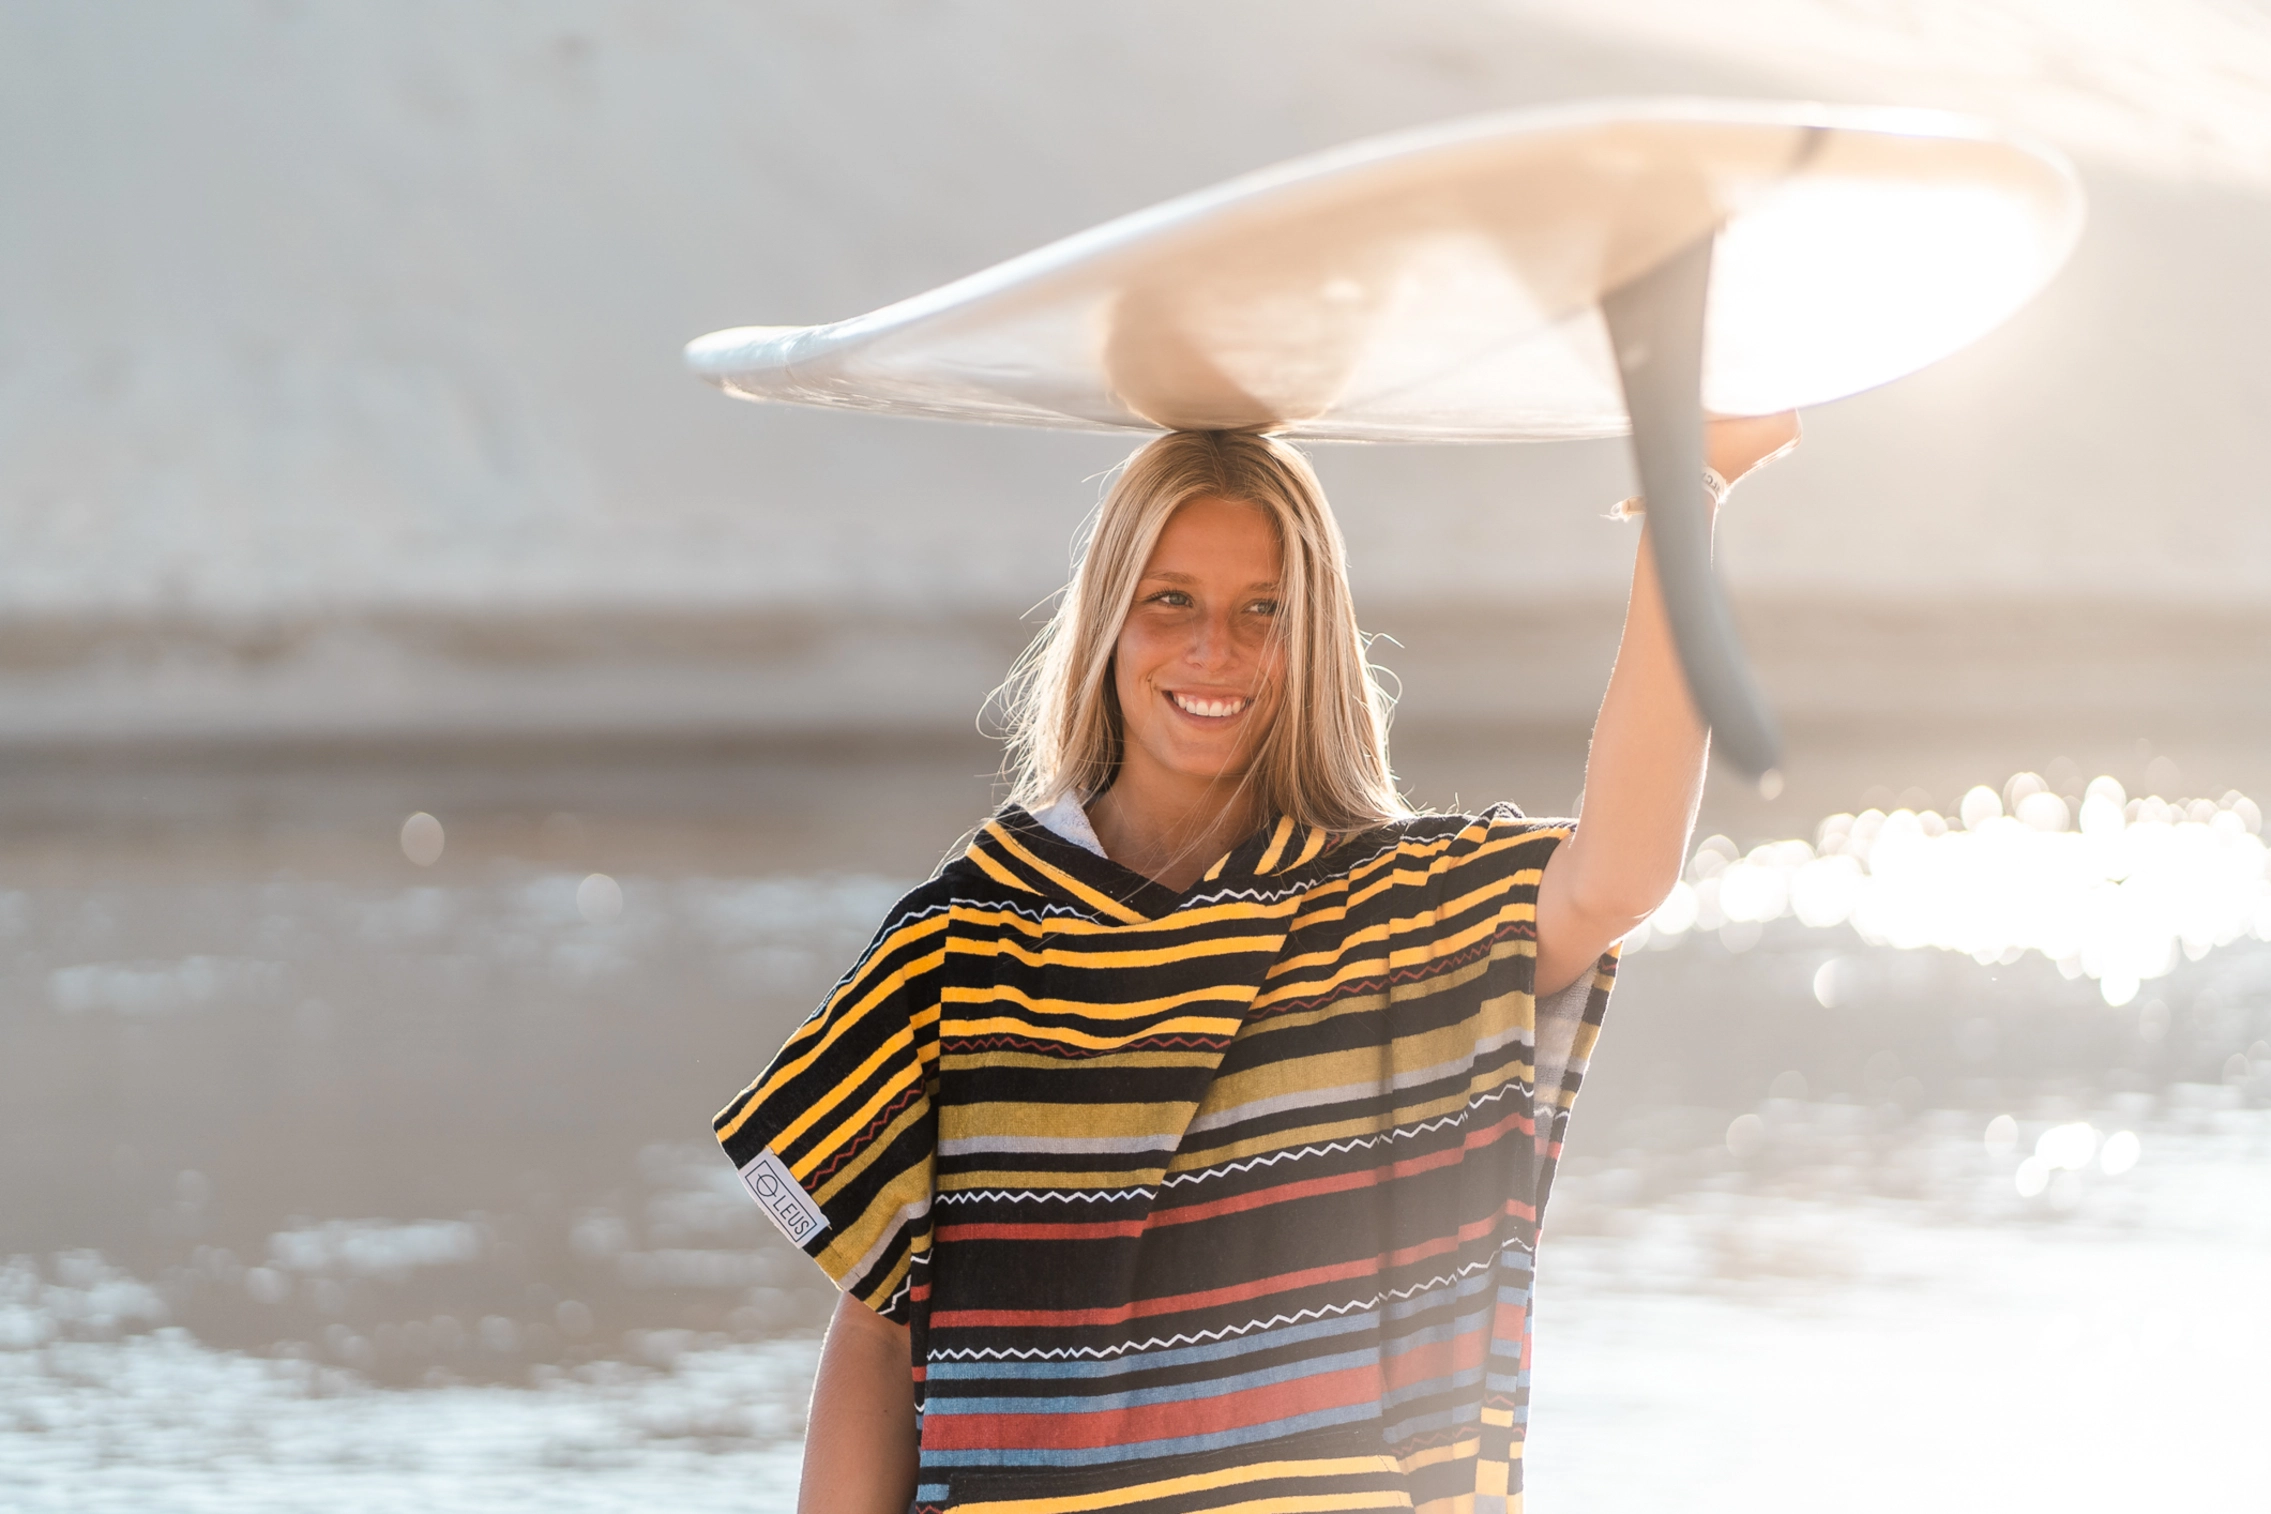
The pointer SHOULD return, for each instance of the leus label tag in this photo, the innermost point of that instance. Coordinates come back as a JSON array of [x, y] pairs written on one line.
[[784, 1202]]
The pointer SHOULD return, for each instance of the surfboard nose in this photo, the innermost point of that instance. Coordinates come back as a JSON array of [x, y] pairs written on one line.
[[739, 358]]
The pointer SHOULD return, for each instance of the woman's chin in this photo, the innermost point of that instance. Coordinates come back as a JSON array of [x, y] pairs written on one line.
[[1212, 770], [1194, 762]]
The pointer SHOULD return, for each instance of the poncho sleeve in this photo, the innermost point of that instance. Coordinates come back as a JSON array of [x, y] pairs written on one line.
[[836, 1139]]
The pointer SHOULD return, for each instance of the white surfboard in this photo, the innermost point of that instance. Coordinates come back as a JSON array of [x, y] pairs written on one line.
[[1570, 272], [1444, 283]]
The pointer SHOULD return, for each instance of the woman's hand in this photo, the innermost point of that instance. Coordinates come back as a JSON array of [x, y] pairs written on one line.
[[1738, 444], [1644, 775]]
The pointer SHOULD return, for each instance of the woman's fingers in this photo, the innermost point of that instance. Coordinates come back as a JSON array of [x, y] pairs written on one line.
[[1736, 444]]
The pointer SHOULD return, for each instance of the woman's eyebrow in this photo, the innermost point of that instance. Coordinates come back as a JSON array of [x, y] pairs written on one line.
[[1170, 576]]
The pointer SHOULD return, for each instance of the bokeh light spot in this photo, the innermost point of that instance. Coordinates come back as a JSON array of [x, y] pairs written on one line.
[[422, 839], [2122, 1149], [599, 899]]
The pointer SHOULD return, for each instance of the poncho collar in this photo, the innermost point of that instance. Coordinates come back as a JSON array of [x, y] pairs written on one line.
[[1015, 849]]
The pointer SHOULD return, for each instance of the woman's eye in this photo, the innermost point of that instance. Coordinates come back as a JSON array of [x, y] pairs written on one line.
[[1263, 607], [1173, 598]]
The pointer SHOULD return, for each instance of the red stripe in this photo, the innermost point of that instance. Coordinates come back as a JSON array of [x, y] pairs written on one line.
[[1370, 1177], [859, 1143], [1125, 1426], [1174, 1303], [1284, 1193], [1437, 1359], [1473, 1230]]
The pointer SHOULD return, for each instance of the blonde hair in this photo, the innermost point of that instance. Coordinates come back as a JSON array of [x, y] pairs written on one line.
[[1324, 759]]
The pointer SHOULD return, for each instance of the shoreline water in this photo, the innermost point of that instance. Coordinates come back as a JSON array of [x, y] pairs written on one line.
[[335, 1176]]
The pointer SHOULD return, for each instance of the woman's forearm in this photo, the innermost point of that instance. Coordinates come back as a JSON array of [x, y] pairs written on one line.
[[1643, 778], [859, 1440]]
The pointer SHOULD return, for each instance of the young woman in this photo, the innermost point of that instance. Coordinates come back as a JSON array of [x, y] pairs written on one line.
[[1181, 1146]]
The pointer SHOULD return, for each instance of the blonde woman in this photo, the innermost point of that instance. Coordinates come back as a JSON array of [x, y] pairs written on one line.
[[1181, 1146]]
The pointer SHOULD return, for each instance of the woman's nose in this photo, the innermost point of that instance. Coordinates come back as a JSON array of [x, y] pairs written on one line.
[[1213, 644]]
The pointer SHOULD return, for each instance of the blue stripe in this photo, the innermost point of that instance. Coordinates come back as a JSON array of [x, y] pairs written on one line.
[[1450, 1329], [1434, 1297], [1151, 1360]]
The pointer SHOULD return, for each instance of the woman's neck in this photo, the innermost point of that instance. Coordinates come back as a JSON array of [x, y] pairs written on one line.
[[1170, 829]]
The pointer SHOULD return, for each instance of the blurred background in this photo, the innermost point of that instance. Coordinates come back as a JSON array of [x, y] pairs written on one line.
[[444, 748]]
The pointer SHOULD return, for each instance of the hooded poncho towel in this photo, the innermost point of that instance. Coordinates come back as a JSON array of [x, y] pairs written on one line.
[[1205, 1201]]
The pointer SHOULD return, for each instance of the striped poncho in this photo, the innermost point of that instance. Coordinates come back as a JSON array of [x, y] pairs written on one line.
[[1204, 1201]]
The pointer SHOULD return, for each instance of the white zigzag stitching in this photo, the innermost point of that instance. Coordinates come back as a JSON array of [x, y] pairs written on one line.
[[1339, 1148], [1247, 1164], [1227, 1332], [1257, 895], [1040, 1195]]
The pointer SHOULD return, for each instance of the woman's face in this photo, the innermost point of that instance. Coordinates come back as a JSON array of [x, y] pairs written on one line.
[[1197, 664]]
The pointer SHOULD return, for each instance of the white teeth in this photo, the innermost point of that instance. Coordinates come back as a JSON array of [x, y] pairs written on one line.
[[1212, 708]]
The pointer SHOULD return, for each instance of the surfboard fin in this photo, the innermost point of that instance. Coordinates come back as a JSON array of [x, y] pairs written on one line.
[[1655, 325]]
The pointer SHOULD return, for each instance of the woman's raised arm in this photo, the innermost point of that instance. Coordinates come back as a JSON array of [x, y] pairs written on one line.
[[1644, 774]]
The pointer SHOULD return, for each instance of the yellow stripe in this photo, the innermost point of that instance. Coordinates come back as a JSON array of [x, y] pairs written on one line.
[[1225, 946], [1460, 1450], [844, 1176], [1278, 838], [1010, 1025], [1118, 1061], [997, 872], [1182, 920], [1411, 956], [1232, 996], [1227, 1477], [837, 1026], [1063, 880], [850, 1125], [1023, 1117], [1326, 1131], [1404, 925], [899, 1041], [1311, 847]]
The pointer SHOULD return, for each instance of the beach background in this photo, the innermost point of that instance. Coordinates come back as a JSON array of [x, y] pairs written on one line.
[[348, 475]]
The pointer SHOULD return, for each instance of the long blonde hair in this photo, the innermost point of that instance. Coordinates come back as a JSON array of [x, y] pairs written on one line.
[[1324, 759]]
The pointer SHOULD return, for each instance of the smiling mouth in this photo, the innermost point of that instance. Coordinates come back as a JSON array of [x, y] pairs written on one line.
[[1210, 709]]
